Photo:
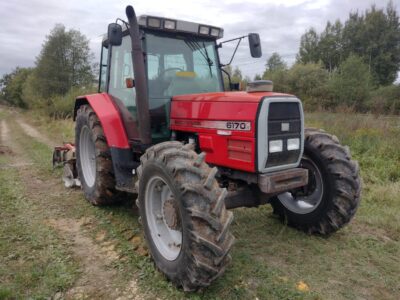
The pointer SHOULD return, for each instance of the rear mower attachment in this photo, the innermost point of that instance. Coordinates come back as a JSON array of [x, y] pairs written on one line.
[[64, 156]]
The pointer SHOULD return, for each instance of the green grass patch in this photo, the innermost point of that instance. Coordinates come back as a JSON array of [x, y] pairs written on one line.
[[34, 262]]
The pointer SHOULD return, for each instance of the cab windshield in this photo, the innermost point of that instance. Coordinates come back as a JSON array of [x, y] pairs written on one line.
[[181, 65]]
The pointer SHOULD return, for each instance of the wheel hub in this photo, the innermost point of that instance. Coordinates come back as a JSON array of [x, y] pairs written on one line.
[[170, 210], [87, 155], [306, 199], [162, 215]]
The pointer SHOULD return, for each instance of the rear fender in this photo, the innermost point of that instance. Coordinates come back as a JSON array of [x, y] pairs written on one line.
[[109, 117], [115, 134]]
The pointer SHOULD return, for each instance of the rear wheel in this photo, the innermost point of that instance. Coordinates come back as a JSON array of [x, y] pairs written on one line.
[[93, 159], [183, 213], [332, 195]]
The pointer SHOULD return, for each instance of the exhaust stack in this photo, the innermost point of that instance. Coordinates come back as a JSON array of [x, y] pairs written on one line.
[[139, 71]]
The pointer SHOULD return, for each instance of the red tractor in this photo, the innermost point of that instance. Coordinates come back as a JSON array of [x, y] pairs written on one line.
[[163, 129]]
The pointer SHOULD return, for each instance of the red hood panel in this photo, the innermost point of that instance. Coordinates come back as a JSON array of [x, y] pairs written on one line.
[[206, 114], [228, 97]]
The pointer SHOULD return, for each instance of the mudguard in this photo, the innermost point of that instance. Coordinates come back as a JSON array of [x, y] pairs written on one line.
[[109, 117], [116, 137]]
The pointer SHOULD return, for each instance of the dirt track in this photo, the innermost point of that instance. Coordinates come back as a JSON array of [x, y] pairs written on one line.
[[97, 278]]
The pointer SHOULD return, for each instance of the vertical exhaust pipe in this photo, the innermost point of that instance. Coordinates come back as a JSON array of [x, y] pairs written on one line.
[[139, 71]]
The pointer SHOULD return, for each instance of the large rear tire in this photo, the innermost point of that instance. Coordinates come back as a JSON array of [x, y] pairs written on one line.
[[183, 212], [332, 196], [93, 159]]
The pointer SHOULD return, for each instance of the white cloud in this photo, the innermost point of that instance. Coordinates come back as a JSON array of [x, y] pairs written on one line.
[[24, 24]]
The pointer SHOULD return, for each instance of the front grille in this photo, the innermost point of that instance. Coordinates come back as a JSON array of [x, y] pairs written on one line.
[[284, 122]]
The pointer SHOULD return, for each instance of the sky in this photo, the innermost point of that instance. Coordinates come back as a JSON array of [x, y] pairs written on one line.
[[25, 24]]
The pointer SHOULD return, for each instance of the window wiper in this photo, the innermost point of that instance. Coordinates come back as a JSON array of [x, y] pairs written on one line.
[[209, 61], [194, 45]]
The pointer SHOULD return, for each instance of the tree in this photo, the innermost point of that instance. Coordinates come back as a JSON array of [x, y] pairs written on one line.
[[12, 85], [237, 75], [63, 63], [308, 52], [351, 84], [257, 77], [330, 45], [274, 63], [373, 35]]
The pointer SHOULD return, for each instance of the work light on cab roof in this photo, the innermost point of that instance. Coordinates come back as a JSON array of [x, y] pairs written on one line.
[[180, 26]]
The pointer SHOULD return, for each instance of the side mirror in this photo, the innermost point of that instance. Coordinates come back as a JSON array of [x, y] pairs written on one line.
[[114, 34], [255, 45]]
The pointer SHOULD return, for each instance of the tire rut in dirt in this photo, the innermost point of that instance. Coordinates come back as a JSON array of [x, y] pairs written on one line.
[[205, 221], [342, 186], [103, 191]]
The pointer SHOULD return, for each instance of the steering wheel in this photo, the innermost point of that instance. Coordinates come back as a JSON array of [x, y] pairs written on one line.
[[162, 74]]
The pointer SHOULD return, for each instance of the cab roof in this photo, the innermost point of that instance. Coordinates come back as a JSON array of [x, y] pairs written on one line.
[[175, 25]]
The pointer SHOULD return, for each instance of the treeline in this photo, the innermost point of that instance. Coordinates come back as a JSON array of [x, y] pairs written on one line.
[[351, 65], [63, 70]]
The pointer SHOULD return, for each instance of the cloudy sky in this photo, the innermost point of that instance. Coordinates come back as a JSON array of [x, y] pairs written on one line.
[[24, 24]]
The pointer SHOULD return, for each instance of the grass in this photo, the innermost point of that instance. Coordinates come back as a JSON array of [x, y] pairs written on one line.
[[269, 259], [33, 259]]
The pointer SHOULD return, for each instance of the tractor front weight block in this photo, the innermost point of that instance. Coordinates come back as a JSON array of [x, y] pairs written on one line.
[[282, 181]]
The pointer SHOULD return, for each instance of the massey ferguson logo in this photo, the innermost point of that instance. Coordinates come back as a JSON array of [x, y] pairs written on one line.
[[285, 126]]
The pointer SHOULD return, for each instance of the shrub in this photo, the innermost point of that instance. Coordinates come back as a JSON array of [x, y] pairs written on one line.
[[351, 84], [61, 107], [385, 99], [309, 83]]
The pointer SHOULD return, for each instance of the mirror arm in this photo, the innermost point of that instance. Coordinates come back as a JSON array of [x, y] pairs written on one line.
[[123, 22], [234, 52], [227, 41]]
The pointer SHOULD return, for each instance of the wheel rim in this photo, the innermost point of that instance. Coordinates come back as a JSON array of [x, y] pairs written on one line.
[[163, 218], [305, 199], [87, 155]]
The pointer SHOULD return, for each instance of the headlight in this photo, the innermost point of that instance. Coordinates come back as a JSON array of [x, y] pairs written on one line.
[[204, 30], [275, 146], [293, 144]]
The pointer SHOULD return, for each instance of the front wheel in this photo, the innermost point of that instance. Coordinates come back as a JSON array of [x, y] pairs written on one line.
[[332, 195], [183, 212]]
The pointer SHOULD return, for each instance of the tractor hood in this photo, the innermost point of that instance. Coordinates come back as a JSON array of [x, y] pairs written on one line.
[[228, 97], [233, 122], [220, 106]]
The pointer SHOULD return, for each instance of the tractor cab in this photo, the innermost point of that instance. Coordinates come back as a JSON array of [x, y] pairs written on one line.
[[180, 58]]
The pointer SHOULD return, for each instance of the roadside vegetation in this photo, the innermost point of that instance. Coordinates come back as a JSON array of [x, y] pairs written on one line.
[[350, 65]]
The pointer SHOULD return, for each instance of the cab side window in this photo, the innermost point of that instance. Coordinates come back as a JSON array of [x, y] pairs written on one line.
[[103, 69]]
